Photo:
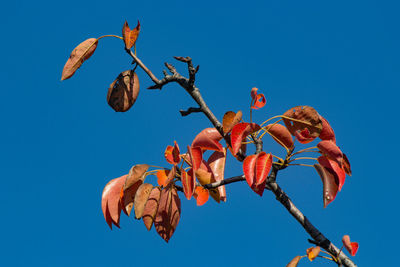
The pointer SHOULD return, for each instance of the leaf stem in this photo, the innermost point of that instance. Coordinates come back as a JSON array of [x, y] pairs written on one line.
[[110, 35]]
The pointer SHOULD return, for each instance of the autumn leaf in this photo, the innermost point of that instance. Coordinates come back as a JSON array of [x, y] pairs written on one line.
[[256, 169], [294, 262], [304, 136], [239, 132], [81, 53], [123, 91], [257, 100], [134, 179], [230, 119], [188, 183], [334, 168], [201, 195], [168, 213], [313, 252], [327, 132], [217, 162], [151, 207], [330, 186], [162, 177], [111, 202], [208, 139], [141, 197], [331, 150], [263, 167], [346, 165], [130, 36], [172, 154], [352, 247], [280, 134]]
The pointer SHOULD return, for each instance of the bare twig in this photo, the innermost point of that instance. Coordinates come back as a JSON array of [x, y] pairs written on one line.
[[190, 111]]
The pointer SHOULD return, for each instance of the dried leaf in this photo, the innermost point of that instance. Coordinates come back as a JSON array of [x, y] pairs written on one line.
[[281, 135], [201, 195], [230, 119], [134, 179], [300, 118], [81, 53], [110, 200], [258, 100], [327, 132], [331, 150], [168, 213], [208, 139], [204, 176], [124, 91], [313, 252], [294, 261], [239, 132], [141, 197], [172, 154], [351, 247], [330, 186], [346, 165], [171, 176], [217, 162], [334, 168], [130, 36], [188, 183], [151, 207], [135, 174]]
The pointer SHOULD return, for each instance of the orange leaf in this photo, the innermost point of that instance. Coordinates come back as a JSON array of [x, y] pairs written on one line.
[[162, 177], [123, 91], [168, 213], [201, 195], [334, 168], [331, 150], [263, 167], [313, 252], [217, 162], [110, 200], [188, 183], [249, 171], [294, 262], [300, 118], [239, 132], [352, 247], [330, 186], [258, 100], [151, 207], [81, 53], [281, 135], [172, 154], [327, 132], [208, 139], [130, 36], [141, 197], [230, 119]]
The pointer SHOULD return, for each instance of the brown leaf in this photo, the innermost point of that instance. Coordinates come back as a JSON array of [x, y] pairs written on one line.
[[130, 36], [151, 207], [303, 117], [230, 119], [134, 179], [168, 214], [217, 162], [135, 174], [313, 252], [110, 200], [124, 91], [280, 134], [346, 165], [330, 187], [142, 194], [81, 53], [294, 262]]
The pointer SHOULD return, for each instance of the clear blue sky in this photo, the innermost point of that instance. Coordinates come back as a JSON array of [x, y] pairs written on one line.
[[61, 143]]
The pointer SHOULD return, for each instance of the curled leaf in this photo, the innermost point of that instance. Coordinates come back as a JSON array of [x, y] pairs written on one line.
[[280, 134], [217, 165], [134, 179], [230, 119], [130, 36], [201, 195], [303, 122], [327, 132], [151, 207], [258, 100], [313, 252], [124, 91], [195, 157], [331, 150], [346, 165], [330, 186], [141, 197], [168, 213], [334, 168], [208, 139], [294, 262], [172, 154], [81, 53], [188, 183], [111, 202], [351, 247], [239, 132]]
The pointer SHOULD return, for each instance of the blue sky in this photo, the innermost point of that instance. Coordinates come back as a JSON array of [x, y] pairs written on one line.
[[61, 142]]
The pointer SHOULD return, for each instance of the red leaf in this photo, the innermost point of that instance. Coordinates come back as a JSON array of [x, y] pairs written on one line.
[[263, 167], [330, 187], [281, 135], [327, 132], [351, 247], [304, 136], [172, 154], [130, 36], [201, 195], [217, 165], [151, 207], [334, 168], [110, 200], [195, 156], [239, 132], [230, 119], [346, 165], [168, 213], [299, 118], [188, 183], [330, 149], [208, 139], [258, 100]]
